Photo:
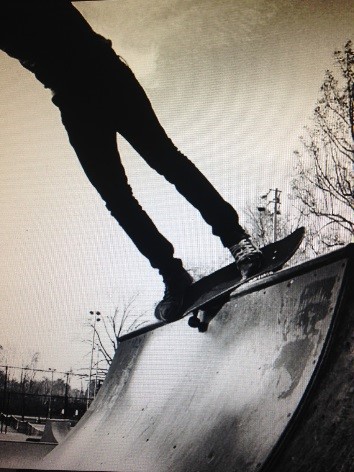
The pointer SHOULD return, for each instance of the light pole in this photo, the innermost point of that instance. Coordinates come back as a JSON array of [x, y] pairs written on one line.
[[276, 211], [51, 393], [66, 399], [97, 362], [97, 318]]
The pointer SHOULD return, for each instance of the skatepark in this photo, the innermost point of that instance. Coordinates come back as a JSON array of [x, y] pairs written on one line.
[[267, 388]]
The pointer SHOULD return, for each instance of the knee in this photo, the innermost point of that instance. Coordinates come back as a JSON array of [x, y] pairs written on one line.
[[122, 203], [171, 163]]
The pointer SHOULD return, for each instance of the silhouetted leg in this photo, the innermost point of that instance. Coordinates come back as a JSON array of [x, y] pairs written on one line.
[[95, 145], [137, 122]]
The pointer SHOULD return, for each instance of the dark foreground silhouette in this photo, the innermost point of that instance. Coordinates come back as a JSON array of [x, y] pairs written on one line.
[[98, 95]]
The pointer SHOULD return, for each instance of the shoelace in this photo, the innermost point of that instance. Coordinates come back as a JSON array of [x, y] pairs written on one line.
[[243, 249]]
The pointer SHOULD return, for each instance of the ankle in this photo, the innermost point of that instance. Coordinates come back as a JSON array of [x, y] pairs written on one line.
[[177, 278]]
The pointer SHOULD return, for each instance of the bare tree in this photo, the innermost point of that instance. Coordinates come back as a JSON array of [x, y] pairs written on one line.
[[29, 369], [325, 167], [108, 330]]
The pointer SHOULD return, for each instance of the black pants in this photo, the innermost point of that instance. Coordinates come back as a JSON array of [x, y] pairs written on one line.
[[121, 105]]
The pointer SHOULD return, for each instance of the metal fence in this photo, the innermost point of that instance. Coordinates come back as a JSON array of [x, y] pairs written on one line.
[[39, 394]]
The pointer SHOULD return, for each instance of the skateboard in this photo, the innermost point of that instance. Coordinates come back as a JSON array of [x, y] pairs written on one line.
[[206, 297]]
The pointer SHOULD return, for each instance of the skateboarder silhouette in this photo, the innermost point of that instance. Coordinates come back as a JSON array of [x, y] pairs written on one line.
[[98, 95]]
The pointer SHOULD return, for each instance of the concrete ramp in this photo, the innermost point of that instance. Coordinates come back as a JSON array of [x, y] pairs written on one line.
[[55, 431], [229, 399]]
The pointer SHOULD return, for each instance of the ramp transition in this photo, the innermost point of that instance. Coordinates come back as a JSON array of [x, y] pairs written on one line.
[[55, 431], [263, 389]]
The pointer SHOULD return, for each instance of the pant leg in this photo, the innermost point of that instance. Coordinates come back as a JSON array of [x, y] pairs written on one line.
[[94, 141], [137, 122]]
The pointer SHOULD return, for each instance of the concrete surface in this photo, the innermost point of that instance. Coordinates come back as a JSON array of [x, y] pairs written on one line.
[[22, 454], [226, 400], [13, 436], [55, 431]]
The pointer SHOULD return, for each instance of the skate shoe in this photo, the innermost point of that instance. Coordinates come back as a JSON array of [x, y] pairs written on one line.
[[169, 308], [247, 256]]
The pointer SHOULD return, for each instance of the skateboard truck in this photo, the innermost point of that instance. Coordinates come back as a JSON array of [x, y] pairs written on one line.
[[198, 322], [202, 316]]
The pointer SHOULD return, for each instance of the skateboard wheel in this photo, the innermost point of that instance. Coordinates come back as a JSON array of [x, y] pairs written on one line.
[[194, 322], [203, 327]]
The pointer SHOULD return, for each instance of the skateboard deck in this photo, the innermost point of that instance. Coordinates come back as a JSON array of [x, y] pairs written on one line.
[[209, 294]]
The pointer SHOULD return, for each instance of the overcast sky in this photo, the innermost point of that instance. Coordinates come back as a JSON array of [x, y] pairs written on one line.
[[232, 81]]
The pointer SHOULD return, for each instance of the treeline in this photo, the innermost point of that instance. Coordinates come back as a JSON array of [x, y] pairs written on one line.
[[25, 396]]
